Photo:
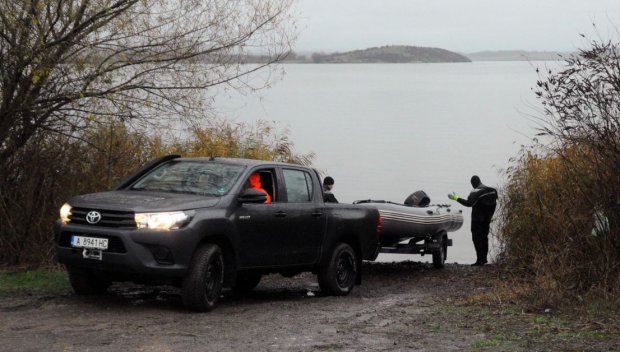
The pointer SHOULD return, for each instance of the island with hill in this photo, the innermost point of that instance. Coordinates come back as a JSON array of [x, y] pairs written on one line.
[[391, 54]]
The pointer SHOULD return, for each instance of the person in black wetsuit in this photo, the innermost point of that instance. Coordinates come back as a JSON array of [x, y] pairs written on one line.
[[483, 200], [328, 196]]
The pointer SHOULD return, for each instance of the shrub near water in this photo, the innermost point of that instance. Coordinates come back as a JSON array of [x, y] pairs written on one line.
[[558, 224], [548, 229]]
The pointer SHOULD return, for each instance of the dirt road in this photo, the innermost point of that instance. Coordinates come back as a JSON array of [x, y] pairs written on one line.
[[399, 307]]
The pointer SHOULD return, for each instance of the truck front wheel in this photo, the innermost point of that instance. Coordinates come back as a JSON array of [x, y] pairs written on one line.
[[338, 276], [203, 283]]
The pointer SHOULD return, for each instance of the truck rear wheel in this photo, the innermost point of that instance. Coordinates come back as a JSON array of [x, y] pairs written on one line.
[[202, 286], [85, 282], [338, 276]]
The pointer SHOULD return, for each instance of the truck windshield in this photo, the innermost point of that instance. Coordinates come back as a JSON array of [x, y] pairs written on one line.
[[204, 178]]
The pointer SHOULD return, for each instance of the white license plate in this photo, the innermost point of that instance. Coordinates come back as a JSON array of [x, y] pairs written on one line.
[[89, 242]]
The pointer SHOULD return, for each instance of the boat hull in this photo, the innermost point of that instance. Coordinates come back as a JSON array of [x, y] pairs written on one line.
[[401, 222]]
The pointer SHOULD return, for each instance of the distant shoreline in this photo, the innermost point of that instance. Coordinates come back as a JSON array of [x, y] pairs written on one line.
[[383, 54], [407, 63], [413, 55], [517, 55]]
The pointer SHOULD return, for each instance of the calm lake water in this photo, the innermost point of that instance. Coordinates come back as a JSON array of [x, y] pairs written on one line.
[[384, 131]]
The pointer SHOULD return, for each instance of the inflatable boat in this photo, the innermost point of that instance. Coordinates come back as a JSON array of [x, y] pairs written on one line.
[[415, 219]]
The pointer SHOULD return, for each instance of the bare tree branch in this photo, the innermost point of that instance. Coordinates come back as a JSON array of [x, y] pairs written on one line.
[[66, 61]]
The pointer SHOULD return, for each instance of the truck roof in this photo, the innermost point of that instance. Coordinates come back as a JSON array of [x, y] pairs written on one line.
[[239, 161]]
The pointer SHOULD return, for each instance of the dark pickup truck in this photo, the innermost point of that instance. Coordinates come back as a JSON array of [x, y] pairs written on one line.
[[197, 223]]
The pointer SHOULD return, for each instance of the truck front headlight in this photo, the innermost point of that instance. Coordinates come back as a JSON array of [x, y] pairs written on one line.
[[65, 212], [163, 221]]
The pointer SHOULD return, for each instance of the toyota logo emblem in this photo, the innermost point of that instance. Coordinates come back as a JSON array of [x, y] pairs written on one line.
[[93, 217]]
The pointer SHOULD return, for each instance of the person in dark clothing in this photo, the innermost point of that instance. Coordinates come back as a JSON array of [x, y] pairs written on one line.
[[328, 196], [483, 200]]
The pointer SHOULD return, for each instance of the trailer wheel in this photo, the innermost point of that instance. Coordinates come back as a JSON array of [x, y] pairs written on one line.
[[441, 254], [338, 277]]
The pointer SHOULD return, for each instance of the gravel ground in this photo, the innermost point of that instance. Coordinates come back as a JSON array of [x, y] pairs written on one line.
[[405, 306]]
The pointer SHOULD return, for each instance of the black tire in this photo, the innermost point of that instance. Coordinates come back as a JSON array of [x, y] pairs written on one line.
[[246, 282], [202, 286], [85, 282], [338, 277], [441, 254]]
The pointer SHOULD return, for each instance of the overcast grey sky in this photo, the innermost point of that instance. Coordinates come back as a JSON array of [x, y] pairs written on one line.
[[458, 25]]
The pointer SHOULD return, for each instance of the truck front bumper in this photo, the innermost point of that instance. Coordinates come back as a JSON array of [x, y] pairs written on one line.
[[130, 251]]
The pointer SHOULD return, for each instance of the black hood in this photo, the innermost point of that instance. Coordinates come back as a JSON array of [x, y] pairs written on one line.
[[475, 181], [142, 201]]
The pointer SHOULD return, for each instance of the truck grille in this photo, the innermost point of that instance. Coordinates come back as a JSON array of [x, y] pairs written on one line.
[[115, 244], [109, 218]]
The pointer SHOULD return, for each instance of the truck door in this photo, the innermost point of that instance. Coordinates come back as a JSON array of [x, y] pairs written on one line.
[[306, 219], [261, 226]]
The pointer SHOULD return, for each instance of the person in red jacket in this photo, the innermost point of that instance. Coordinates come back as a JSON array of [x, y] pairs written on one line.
[[256, 184]]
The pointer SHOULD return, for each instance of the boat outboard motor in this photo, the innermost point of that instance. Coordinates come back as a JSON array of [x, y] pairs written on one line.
[[418, 199]]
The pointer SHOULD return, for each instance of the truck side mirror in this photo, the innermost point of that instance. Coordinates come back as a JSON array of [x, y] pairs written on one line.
[[252, 195]]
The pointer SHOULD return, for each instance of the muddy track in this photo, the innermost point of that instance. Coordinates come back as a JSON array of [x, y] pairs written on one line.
[[394, 309]]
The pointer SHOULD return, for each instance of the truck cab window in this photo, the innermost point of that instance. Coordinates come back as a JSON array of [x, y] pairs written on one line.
[[298, 186], [262, 180]]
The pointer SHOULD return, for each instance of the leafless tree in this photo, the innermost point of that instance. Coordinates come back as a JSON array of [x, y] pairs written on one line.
[[65, 64], [71, 67]]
